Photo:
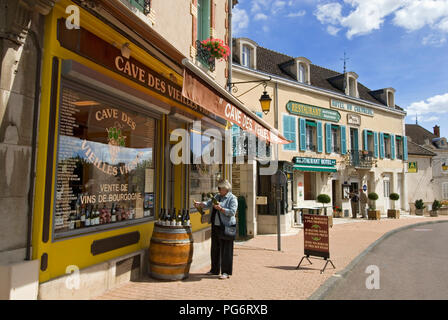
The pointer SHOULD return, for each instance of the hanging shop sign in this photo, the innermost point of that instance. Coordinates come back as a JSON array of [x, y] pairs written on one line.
[[445, 167], [92, 47], [337, 104], [309, 111], [412, 167], [316, 236]]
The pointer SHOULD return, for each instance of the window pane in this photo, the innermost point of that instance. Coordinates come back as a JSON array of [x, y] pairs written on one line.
[[203, 177], [105, 167]]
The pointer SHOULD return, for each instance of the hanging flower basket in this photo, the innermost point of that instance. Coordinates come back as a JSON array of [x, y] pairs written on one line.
[[216, 48]]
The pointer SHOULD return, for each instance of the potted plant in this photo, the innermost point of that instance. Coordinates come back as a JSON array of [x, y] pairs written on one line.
[[436, 205], [324, 199], [419, 206], [373, 214], [393, 213], [337, 212]]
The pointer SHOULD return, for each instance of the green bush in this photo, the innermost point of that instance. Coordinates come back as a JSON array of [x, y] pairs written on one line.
[[373, 196], [323, 198], [419, 204], [436, 205], [394, 196]]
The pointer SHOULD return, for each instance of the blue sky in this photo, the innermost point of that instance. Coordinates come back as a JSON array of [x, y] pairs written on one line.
[[390, 43]]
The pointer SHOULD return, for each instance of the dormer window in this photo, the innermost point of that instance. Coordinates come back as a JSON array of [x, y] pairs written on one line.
[[301, 77], [386, 96], [303, 70], [247, 50], [352, 85], [245, 61]]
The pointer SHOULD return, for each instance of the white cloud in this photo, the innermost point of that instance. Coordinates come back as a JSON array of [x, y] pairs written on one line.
[[260, 16], [300, 13], [240, 20], [329, 13], [333, 30], [277, 6], [437, 104], [430, 119], [435, 40], [366, 16]]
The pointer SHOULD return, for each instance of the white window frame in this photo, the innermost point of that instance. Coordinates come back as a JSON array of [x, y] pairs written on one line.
[[445, 190], [302, 73]]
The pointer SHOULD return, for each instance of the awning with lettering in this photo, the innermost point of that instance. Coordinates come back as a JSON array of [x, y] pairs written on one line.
[[314, 168], [204, 91]]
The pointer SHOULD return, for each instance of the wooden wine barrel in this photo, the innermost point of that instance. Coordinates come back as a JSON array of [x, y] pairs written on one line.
[[170, 252]]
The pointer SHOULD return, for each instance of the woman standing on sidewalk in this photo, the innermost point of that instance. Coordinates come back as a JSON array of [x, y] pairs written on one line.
[[223, 214]]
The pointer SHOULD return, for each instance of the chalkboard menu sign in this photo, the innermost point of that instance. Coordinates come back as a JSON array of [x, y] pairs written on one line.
[[316, 236], [105, 167]]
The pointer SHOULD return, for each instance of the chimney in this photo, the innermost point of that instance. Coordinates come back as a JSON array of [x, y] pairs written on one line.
[[437, 131]]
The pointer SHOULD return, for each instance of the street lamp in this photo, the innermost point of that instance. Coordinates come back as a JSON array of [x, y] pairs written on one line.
[[265, 99]]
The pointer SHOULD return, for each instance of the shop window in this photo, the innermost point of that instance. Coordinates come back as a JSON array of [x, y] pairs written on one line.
[[309, 184], [290, 132], [204, 177], [336, 138], [105, 174], [311, 136], [203, 19]]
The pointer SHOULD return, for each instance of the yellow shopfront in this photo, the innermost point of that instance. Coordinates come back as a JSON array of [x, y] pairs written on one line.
[[107, 122]]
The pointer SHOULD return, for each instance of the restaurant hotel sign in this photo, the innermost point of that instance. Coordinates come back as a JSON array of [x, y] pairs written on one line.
[[337, 104], [309, 111]]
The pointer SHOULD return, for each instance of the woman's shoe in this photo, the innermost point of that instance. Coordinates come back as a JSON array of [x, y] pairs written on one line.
[[224, 276], [212, 273]]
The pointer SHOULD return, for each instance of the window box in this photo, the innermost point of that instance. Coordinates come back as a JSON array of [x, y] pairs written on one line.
[[204, 56]]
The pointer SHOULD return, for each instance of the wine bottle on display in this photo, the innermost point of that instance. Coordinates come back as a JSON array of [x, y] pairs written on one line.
[[179, 217], [173, 217], [187, 218], [88, 221]]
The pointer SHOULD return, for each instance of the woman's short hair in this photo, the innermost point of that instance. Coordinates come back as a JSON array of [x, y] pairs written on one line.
[[224, 184]]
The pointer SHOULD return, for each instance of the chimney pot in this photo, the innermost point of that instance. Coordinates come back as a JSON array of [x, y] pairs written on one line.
[[437, 131]]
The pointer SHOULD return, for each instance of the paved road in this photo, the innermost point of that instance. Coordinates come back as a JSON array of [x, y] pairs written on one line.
[[413, 264]]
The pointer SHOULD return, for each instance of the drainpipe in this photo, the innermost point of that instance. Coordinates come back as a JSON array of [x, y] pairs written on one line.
[[229, 78], [37, 92]]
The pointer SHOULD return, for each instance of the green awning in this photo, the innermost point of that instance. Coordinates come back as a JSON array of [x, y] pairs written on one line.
[[369, 133], [314, 168], [334, 127], [311, 123]]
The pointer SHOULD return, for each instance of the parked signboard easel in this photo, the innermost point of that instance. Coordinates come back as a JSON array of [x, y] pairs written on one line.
[[316, 239]]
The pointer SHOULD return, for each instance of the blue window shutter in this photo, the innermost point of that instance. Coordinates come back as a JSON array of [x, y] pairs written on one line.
[[320, 141], [392, 146], [366, 141], [289, 131], [381, 145], [375, 144], [405, 148], [343, 140], [328, 137], [302, 134]]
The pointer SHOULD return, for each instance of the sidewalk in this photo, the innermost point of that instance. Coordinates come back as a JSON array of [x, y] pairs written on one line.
[[261, 272]]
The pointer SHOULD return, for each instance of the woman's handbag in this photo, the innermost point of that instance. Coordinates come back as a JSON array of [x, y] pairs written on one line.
[[228, 232]]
